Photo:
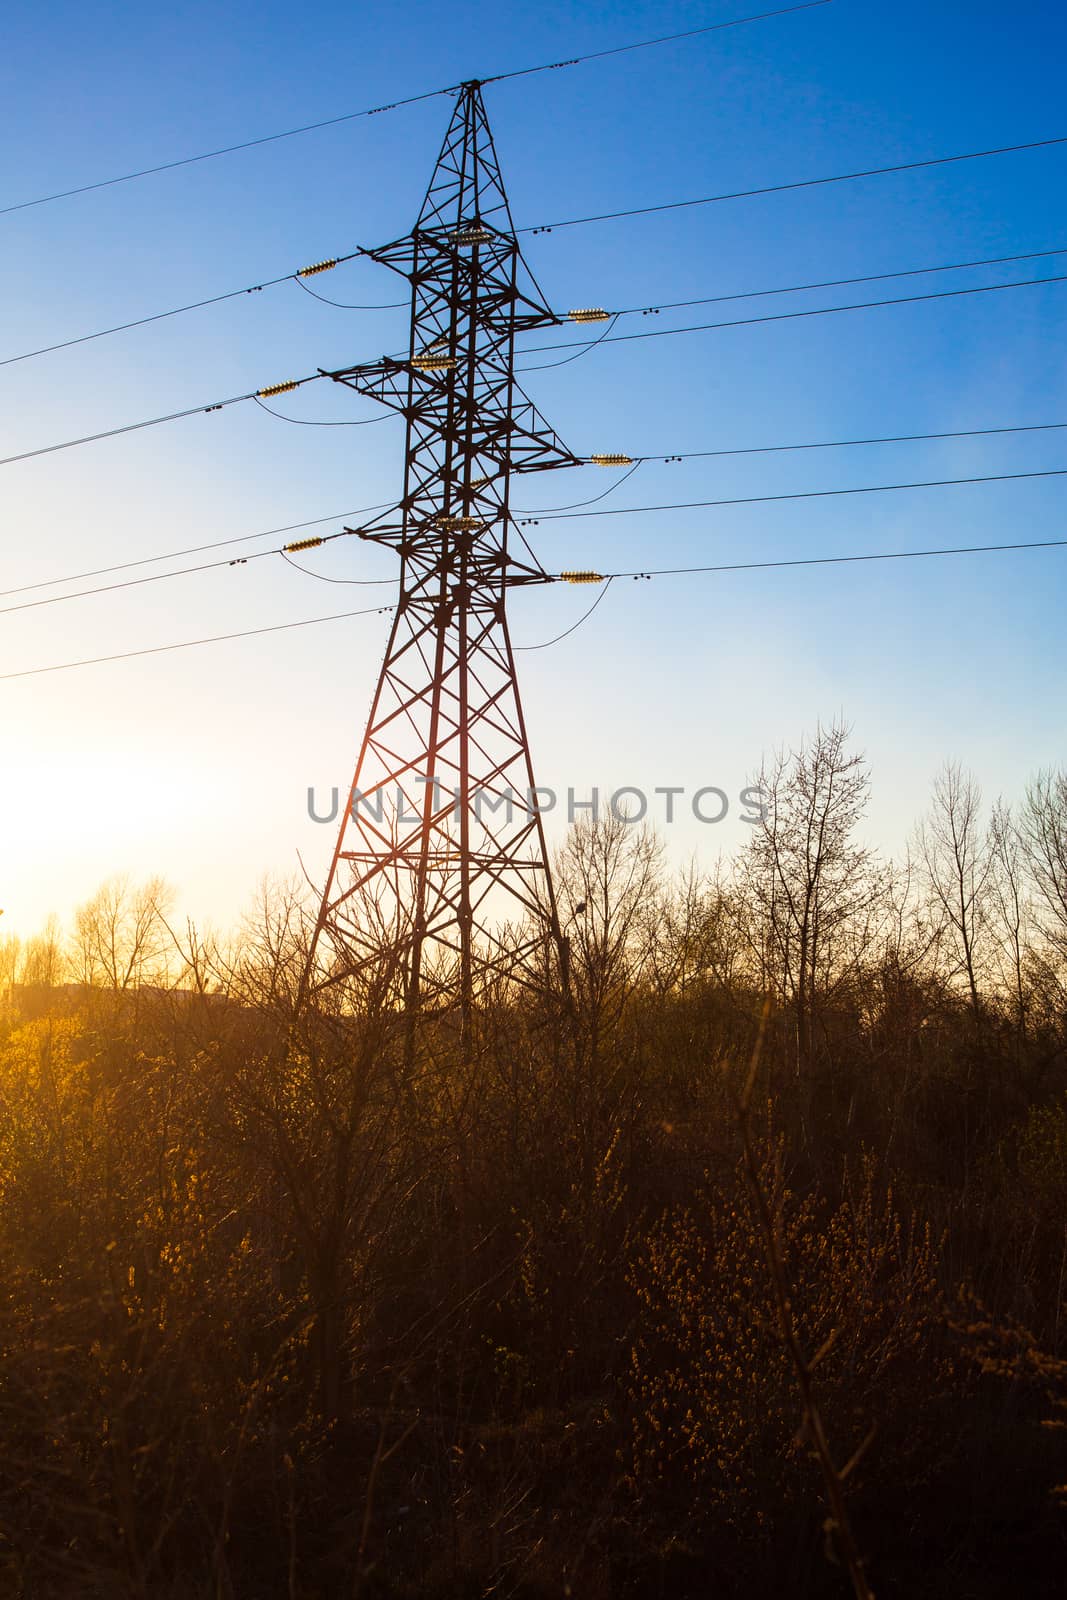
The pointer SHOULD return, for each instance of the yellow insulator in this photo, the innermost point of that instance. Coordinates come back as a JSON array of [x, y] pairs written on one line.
[[277, 388], [304, 544], [582, 577], [449, 524], [431, 363], [319, 266], [589, 314], [617, 460], [472, 235]]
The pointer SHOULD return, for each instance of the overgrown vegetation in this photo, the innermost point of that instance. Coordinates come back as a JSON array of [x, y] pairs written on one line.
[[286, 1315]]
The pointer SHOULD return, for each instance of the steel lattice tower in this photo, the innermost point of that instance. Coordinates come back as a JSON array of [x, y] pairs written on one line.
[[441, 876]]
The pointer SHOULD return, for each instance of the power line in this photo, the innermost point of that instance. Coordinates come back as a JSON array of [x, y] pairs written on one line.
[[647, 44], [130, 583], [548, 516], [576, 505], [324, 577], [197, 305], [142, 322], [349, 305], [384, 505], [583, 346], [546, 644], [393, 105], [190, 644], [834, 283], [844, 444], [313, 422], [204, 566], [298, 278], [781, 449], [581, 349], [824, 561], [607, 579], [171, 416], [802, 494], [794, 316], [802, 183], [558, 514], [608, 336], [211, 155], [129, 427], [193, 550]]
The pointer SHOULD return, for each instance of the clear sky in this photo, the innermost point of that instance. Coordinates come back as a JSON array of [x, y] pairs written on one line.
[[196, 764]]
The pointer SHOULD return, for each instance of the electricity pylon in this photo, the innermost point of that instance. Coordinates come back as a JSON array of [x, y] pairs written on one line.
[[440, 878]]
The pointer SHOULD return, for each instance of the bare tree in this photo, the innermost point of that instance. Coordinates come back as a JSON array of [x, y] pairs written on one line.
[[43, 962], [690, 932], [10, 965], [1010, 903], [813, 893], [605, 882], [1043, 835], [121, 936], [958, 864]]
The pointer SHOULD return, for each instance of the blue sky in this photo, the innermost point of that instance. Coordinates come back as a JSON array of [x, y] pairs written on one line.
[[196, 764]]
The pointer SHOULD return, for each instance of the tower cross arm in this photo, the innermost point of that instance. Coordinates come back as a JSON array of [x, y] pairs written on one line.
[[386, 380], [425, 252]]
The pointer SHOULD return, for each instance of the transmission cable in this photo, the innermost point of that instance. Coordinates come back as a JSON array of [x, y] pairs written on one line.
[[578, 504], [824, 561], [794, 316], [647, 44], [310, 422], [197, 305], [141, 322], [325, 578], [384, 505], [394, 105], [834, 283], [211, 155], [193, 550], [347, 305], [845, 444], [547, 643], [618, 338], [132, 583], [579, 350], [190, 411], [190, 644], [561, 515], [204, 566], [802, 183], [302, 273], [604, 578], [129, 427], [800, 494]]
